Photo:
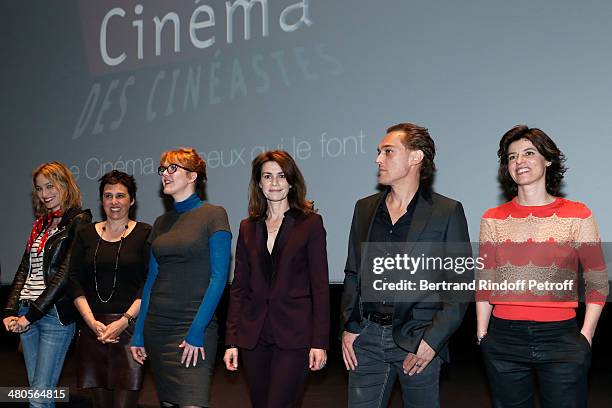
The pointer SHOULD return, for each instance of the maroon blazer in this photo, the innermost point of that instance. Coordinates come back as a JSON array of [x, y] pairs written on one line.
[[290, 286]]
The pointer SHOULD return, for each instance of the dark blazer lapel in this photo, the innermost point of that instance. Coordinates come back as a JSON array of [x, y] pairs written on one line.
[[420, 218], [367, 217], [283, 236], [261, 240], [260, 233]]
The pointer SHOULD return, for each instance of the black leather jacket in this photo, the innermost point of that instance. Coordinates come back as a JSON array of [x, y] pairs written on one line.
[[56, 259]]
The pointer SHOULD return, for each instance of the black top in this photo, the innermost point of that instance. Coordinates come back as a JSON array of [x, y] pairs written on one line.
[[383, 230], [270, 259], [131, 270]]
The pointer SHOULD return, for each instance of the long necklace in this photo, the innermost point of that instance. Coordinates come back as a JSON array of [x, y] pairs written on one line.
[[95, 261]]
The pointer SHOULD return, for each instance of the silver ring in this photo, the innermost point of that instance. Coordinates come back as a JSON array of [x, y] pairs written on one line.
[[418, 364]]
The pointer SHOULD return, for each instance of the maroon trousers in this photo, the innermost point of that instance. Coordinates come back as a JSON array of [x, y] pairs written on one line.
[[276, 377]]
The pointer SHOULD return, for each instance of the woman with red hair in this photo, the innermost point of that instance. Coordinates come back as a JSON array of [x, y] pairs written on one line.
[[190, 249]]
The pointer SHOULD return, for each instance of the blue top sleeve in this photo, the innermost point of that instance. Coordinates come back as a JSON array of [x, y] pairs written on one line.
[[219, 246], [138, 337]]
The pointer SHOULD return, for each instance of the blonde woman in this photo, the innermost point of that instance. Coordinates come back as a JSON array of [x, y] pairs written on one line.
[[37, 306]]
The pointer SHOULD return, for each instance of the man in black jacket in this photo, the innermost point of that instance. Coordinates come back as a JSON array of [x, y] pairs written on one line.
[[407, 339]]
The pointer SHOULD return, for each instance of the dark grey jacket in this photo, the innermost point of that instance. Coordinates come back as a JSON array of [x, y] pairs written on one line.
[[436, 219]]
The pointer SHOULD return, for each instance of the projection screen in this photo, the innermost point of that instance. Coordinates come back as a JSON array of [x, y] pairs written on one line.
[[111, 84]]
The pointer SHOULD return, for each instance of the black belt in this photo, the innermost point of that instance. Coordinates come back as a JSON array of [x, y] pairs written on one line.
[[384, 319], [26, 302]]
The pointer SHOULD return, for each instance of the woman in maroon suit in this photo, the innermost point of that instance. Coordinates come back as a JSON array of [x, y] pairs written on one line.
[[279, 300]]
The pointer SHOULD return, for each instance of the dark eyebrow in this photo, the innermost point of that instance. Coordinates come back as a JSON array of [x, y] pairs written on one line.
[[527, 149], [378, 149]]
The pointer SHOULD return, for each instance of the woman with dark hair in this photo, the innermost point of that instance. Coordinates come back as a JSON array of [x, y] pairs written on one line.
[[37, 307], [279, 300], [190, 249], [107, 271], [537, 242]]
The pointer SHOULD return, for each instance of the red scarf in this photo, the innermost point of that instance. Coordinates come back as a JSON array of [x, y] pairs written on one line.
[[41, 224]]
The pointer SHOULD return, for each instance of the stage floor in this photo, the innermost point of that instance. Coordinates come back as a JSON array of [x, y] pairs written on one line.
[[462, 383]]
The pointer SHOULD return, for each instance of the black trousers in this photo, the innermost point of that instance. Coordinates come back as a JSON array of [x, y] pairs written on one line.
[[517, 353]]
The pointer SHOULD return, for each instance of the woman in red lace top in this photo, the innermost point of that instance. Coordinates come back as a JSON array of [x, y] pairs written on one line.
[[533, 246]]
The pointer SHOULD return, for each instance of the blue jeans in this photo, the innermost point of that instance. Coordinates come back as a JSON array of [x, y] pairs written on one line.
[[379, 364], [44, 348]]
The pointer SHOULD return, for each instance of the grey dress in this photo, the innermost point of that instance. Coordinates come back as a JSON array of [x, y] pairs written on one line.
[[180, 245]]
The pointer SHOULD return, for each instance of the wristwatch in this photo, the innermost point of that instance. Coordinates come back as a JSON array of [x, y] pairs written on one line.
[[129, 317]]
